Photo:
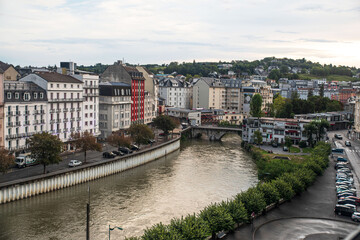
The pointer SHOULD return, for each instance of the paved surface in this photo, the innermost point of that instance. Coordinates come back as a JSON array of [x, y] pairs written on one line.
[[279, 150], [315, 203], [92, 156]]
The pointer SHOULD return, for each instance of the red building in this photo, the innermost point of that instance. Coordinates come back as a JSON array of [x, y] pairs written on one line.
[[345, 94], [119, 72]]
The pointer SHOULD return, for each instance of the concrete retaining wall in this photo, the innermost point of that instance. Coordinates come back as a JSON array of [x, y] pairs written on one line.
[[28, 187]]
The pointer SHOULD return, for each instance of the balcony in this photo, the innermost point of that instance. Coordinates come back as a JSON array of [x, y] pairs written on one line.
[[65, 109], [27, 112], [78, 128], [11, 124], [58, 120], [58, 131], [17, 124], [66, 120], [10, 113], [72, 110], [91, 94], [17, 113], [72, 129], [36, 112], [58, 110], [72, 119], [42, 111], [78, 109], [27, 123], [65, 130], [66, 100], [42, 121], [52, 110], [91, 86], [36, 122], [52, 121], [79, 119]]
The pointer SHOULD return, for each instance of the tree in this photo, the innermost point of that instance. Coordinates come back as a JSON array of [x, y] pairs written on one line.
[[86, 142], [140, 133], [297, 185], [255, 105], [253, 200], [271, 194], [310, 93], [45, 148], [117, 140], [160, 231], [217, 218], [279, 103], [321, 91], [236, 209], [321, 126], [258, 137], [6, 160], [164, 123], [284, 188], [288, 142], [310, 130], [190, 227]]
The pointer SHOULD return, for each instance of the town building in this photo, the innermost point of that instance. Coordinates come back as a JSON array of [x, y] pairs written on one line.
[[176, 92], [115, 107], [119, 72], [209, 93], [65, 103], [9, 72], [25, 106], [192, 117]]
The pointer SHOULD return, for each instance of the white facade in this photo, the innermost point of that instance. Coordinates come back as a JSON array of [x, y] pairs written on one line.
[[177, 93]]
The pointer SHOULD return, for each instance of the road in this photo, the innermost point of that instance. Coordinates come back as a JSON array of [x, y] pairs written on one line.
[[314, 207], [92, 156]]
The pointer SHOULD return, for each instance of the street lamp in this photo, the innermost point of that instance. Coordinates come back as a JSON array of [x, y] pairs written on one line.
[[110, 229]]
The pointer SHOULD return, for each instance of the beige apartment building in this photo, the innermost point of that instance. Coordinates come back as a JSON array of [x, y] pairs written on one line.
[[209, 93]]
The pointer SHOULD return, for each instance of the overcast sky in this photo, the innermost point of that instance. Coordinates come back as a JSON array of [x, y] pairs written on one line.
[[45, 32]]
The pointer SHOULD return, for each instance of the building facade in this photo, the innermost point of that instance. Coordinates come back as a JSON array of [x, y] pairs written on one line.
[[25, 113], [115, 107], [209, 93], [177, 93]]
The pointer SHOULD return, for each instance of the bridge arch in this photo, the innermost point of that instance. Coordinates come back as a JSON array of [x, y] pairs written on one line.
[[214, 133]]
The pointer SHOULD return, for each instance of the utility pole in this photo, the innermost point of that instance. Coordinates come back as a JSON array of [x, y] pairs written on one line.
[[88, 216]]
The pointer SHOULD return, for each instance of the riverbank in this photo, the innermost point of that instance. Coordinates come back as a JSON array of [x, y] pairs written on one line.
[[27, 187]]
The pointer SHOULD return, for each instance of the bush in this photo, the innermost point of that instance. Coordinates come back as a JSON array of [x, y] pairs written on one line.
[[302, 144], [307, 176], [284, 188], [160, 232], [217, 218], [270, 192], [296, 184], [253, 200], [314, 166], [190, 227], [275, 168], [236, 209]]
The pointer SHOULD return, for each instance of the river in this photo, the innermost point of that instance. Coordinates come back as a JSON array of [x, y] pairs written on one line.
[[181, 183]]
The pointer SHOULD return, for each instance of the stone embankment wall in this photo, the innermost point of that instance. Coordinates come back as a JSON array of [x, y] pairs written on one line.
[[24, 188]]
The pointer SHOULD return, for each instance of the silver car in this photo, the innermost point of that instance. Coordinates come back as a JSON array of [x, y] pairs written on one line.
[[74, 163], [356, 216]]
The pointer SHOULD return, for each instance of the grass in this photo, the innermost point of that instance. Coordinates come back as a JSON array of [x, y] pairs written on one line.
[[332, 77], [307, 150], [294, 149]]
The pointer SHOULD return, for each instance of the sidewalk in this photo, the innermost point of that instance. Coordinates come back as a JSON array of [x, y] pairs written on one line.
[[317, 202]]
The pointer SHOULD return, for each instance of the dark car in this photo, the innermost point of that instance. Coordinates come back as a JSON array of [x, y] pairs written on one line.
[[346, 201], [356, 199], [274, 144], [125, 150], [134, 147], [341, 159], [151, 141], [343, 210], [108, 155], [118, 153]]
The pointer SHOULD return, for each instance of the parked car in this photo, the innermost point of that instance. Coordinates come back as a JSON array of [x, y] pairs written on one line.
[[348, 143], [285, 148], [341, 159], [118, 153], [125, 150], [274, 144], [337, 150], [348, 194], [351, 205], [109, 155], [341, 165], [74, 163], [151, 141], [347, 201], [134, 147], [356, 216], [338, 136], [343, 210], [356, 199]]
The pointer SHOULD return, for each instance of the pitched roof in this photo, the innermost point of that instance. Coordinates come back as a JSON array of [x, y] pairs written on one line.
[[57, 77], [4, 66]]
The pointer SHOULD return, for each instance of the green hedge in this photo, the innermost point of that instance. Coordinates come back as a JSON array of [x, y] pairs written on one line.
[[281, 179]]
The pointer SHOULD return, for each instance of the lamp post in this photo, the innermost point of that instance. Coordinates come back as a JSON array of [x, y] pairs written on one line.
[[110, 229]]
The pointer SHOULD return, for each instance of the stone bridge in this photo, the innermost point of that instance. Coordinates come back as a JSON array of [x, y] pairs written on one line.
[[214, 133]]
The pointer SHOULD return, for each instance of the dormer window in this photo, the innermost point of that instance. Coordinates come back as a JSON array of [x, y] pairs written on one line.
[[41, 95], [35, 95], [26, 96], [17, 95], [8, 95]]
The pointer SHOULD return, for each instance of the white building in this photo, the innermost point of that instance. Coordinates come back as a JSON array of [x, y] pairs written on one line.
[[65, 102], [192, 117], [177, 93], [115, 107], [25, 112]]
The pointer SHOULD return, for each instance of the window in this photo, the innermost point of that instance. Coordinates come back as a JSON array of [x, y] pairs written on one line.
[[8, 95], [64, 85], [78, 86], [17, 95], [26, 96], [57, 85], [78, 95], [51, 85], [86, 123], [72, 86], [41, 95], [35, 95]]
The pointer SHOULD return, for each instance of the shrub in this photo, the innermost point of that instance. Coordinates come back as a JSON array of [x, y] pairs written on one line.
[[307, 176], [160, 232], [253, 200], [284, 188], [314, 166], [275, 168], [296, 184], [236, 209], [190, 227], [217, 218], [302, 144], [270, 192]]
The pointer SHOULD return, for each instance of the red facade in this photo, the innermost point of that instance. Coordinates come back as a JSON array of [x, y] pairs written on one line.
[[138, 99]]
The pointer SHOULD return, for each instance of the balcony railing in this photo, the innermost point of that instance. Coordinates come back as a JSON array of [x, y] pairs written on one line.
[[79, 119], [66, 100], [66, 119], [91, 86], [65, 110], [52, 121], [17, 113], [26, 112], [42, 121], [72, 119], [58, 110], [78, 109], [72, 110], [17, 124], [58, 120], [27, 122], [52, 110]]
